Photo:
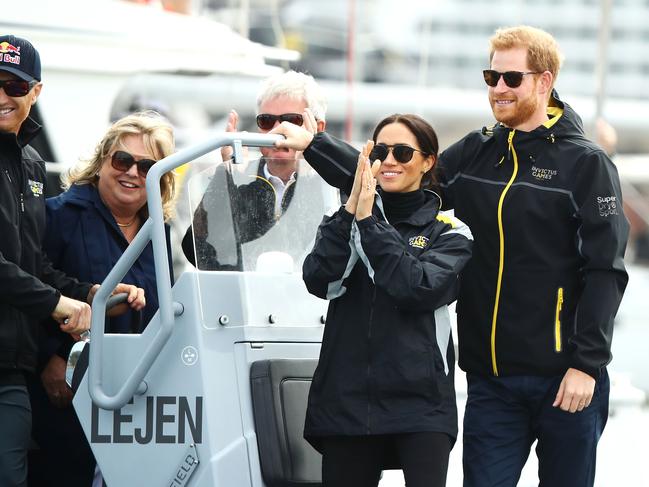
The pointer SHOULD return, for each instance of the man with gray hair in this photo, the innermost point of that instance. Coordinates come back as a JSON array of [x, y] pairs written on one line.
[[258, 205], [284, 97]]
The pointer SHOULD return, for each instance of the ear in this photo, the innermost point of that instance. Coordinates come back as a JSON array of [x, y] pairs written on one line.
[[320, 126], [545, 83], [429, 162], [36, 91]]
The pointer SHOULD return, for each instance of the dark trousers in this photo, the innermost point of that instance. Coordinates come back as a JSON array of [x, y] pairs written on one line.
[[357, 461], [15, 428], [505, 415], [63, 457]]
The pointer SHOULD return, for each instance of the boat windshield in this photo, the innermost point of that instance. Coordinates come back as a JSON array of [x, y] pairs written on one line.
[[248, 220]]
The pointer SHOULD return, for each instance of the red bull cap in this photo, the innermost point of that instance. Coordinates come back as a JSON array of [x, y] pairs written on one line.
[[19, 57]]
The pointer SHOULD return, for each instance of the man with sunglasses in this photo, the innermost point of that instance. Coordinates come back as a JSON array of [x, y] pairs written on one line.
[[537, 301], [30, 288], [538, 298], [258, 205]]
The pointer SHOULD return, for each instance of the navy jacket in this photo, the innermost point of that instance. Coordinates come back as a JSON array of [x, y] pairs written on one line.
[[387, 358], [84, 240]]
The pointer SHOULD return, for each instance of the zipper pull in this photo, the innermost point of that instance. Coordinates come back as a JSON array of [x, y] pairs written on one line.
[[510, 138], [8, 177], [22, 203]]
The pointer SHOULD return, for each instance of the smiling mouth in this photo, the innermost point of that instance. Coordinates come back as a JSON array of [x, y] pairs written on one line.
[[6, 111], [129, 185]]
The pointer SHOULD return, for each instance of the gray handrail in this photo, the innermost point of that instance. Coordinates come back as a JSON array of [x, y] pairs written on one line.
[[152, 230]]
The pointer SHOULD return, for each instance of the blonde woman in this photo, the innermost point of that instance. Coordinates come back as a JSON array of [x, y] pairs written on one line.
[[88, 228]]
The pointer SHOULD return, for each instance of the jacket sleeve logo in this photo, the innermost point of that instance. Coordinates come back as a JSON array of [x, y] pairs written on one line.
[[607, 205], [419, 242]]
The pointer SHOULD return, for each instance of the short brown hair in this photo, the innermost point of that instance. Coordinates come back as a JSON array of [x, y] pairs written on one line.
[[543, 52], [158, 138]]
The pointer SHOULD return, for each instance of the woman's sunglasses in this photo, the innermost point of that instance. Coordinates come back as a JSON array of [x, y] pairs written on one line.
[[513, 79], [401, 152], [266, 121], [122, 161], [17, 87]]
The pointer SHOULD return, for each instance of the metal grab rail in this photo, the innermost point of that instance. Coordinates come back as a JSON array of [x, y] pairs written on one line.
[[152, 230]]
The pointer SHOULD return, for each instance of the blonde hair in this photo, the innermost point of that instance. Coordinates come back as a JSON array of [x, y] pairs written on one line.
[[543, 52], [158, 138]]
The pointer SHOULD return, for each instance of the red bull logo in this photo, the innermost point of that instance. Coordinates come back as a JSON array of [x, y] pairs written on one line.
[[9, 53], [6, 47]]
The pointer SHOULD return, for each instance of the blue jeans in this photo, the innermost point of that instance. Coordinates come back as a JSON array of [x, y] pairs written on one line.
[[15, 430], [503, 417]]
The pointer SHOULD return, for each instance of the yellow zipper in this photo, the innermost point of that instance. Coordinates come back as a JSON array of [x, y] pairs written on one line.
[[501, 262], [557, 321]]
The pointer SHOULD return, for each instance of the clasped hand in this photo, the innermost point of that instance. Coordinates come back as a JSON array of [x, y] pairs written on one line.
[[361, 199]]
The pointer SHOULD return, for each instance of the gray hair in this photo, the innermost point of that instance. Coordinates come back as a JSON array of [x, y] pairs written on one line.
[[297, 86]]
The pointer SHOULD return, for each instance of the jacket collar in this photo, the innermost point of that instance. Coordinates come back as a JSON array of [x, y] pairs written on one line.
[[82, 195], [28, 130], [87, 196], [424, 215]]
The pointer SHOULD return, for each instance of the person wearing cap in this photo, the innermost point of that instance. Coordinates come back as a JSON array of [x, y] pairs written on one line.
[[259, 204], [30, 288]]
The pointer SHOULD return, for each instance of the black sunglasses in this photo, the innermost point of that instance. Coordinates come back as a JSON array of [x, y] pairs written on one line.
[[401, 152], [513, 79], [122, 161], [17, 87], [266, 121]]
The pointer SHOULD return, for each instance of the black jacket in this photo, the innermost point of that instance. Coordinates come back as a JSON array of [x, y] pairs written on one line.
[[547, 273], [29, 286], [387, 357]]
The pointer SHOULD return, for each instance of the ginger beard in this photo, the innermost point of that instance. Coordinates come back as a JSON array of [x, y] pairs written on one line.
[[517, 111]]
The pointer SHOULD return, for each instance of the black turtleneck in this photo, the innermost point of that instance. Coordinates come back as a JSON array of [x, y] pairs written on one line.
[[400, 206]]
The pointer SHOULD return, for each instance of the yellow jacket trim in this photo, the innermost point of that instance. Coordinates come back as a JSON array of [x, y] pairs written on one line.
[[501, 261], [557, 321]]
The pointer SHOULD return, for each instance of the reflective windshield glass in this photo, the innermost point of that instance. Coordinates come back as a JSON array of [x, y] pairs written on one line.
[[247, 219]]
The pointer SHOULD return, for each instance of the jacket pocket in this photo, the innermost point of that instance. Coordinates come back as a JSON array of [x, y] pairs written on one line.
[[557, 321]]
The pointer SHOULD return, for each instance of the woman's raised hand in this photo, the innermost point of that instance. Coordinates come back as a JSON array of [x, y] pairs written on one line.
[[363, 162], [367, 191]]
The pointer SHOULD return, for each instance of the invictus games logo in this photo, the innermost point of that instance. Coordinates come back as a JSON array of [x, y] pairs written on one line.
[[419, 242], [607, 205], [543, 174], [36, 187]]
